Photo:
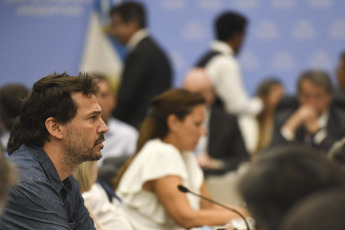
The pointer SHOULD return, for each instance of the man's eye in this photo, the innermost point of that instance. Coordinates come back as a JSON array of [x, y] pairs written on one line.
[[93, 118]]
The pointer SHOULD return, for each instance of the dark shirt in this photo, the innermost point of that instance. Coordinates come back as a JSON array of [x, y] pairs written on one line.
[[40, 200], [335, 127]]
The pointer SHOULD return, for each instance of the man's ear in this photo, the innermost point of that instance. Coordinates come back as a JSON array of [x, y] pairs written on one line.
[[54, 128], [173, 122]]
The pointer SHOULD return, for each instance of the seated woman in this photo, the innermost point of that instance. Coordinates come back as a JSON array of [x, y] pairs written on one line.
[[257, 130], [163, 160], [107, 215]]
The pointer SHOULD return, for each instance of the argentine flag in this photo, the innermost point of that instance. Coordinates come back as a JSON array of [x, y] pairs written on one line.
[[100, 54]]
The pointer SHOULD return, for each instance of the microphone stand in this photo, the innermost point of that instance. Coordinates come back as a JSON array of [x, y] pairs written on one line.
[[185, 190]]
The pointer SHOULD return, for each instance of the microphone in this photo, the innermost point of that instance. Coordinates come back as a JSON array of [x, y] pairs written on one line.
[[186, 190]]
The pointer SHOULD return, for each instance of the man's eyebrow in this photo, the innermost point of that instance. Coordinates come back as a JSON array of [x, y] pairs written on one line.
[[95, 113]]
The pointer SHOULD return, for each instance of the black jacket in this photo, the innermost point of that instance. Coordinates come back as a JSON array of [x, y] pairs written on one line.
[[335, 126], [147, 73], [225, 140]]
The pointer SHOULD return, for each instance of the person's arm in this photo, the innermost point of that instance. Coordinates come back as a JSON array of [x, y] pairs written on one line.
[[177, 206], [280, 119], [287, 123], [305, 115], [227, 81]]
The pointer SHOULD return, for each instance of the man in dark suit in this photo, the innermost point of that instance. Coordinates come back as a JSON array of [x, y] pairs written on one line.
[[223, 149], [314, 120], [147, 71]]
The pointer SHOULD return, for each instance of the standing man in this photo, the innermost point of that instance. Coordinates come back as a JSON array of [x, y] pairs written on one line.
[[223, 68], [147, 70], [59, 127]]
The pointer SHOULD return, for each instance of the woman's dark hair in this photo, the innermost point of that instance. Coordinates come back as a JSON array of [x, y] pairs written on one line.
[[178, 102], [50, 97]]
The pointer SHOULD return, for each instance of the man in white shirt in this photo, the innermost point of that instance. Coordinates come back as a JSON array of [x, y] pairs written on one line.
[[314, 120], [223, 68], [147, 71], [121, 138]]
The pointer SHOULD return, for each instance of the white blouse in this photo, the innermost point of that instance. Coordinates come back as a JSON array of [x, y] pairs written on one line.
[[156, 160], [109, 215]]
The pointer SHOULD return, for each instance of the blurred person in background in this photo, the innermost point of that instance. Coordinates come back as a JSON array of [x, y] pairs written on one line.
[[281, 177], [147, 71], [120, 141], [7, 179], [107, 214], [121, 138], [257, 131], [320, 211], [222, 149], [223, 68], [337, 154], [148, 182], [11, 97], [340, 72], [313, 119]]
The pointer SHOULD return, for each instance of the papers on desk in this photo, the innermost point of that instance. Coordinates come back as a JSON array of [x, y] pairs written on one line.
[[237, 224]]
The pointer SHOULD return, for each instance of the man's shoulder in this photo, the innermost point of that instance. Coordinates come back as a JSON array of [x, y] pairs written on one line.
[[118, 126], [147, 42], [222, 62], [287, 106], [157, 146], [220, 113], [149, 46], [27, 165], [337, 114]]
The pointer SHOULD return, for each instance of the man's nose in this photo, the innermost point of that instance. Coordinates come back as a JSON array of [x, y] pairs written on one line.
[[103, 128]]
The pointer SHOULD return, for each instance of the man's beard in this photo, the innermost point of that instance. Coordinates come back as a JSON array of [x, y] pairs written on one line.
[[77, 152]]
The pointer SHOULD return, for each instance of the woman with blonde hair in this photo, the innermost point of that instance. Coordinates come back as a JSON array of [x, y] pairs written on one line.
[[270, 91], [163, 160], [257, 131], [107, 215]]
